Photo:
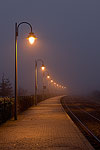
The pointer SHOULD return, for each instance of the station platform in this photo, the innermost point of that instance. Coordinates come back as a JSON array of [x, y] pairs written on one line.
[[44, 127]]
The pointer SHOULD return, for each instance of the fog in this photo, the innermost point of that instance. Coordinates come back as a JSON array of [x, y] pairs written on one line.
[[68, 40]]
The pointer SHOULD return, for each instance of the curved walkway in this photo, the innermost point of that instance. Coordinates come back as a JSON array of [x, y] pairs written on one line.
[[44, 127]]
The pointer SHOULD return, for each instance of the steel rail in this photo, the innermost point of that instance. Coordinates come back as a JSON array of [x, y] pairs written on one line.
[[87, 112], [96, 138]]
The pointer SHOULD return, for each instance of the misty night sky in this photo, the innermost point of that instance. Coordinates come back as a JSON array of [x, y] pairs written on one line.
[[68, 41]]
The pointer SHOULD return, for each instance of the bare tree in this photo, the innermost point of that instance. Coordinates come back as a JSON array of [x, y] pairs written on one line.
[[5, 87]]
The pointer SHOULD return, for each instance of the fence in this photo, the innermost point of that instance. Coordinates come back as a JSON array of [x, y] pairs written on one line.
[[24, 102]]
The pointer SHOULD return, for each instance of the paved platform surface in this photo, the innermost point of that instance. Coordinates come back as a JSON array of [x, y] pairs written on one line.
[[44, 127]]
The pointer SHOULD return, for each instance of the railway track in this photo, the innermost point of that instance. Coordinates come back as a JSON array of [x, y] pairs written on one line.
[[88, 123]]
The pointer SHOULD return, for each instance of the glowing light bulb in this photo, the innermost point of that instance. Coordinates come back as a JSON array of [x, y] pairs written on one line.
[[43, 67], [48, 77], [31, 38], [51, 81]]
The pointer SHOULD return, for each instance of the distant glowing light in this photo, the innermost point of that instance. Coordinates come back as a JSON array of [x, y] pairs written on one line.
[[51, 81], [43, 67], [48, 77]]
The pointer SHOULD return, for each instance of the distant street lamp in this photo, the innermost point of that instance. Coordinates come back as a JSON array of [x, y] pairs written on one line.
[[48, 77], [31, 39], [43, 69], [51, 81]]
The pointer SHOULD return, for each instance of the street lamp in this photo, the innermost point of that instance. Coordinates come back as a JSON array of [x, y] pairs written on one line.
[[43, 68], [48, 77], [31, 39], [51, 81]]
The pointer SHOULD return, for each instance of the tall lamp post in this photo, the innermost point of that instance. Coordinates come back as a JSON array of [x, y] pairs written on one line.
[[48, 78], [36, 82], [31, 39]]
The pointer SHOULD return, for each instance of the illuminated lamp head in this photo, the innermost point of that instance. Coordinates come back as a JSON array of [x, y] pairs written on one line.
[[31, 38]]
